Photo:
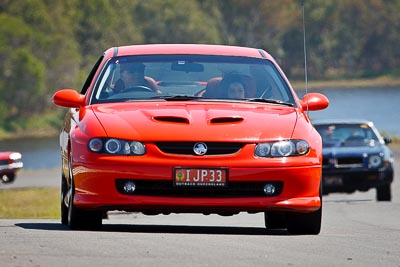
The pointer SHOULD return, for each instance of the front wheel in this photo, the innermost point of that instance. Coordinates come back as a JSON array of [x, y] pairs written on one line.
[[304, 223], [64, 201], [8, 178], [79, 219], [275, 220], [75, 218], [383, 193]]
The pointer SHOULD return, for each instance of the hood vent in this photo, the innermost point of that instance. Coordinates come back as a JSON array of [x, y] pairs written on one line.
[[171, 119], [227, 120]]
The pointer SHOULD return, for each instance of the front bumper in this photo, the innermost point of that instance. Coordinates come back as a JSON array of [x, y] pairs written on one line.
[[352, 180], [10, 168], [96, 187]]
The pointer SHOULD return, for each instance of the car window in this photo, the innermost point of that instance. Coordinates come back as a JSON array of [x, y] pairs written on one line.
[[91, 75], [333, 133], [138, 78]]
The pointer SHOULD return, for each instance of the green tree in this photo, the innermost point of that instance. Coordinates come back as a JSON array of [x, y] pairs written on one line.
[[102, 24], [263, 24], [14, 33], [352, 38], [175, 21], [26, 83], [52, 40]]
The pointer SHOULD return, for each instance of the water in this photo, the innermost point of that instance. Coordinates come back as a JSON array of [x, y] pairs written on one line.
[[380, 105], [37, 153]]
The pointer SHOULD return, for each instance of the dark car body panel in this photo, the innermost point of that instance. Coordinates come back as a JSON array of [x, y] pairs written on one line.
[[354, 164]]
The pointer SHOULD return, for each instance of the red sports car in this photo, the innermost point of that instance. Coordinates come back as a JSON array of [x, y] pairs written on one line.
[[10, 163], [162, 129]]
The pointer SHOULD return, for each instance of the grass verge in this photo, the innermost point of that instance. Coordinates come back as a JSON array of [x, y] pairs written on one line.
[[30, 203]]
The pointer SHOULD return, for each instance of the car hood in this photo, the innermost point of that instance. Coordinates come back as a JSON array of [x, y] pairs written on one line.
[[6, 154], [188, 121]]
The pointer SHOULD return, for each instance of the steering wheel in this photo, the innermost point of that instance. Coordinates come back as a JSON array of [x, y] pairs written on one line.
[[137, 88]]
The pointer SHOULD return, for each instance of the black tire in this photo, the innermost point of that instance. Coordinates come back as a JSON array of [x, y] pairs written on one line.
[[299, 223], [304, 223], [275, 220], [64, 207], [384, 193], [8, 178], [79, 219]]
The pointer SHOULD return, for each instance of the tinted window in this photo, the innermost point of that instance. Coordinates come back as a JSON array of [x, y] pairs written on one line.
[[351, 133], [152, 77]]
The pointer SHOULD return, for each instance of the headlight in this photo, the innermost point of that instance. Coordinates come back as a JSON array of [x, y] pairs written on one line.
[[95, 145], [375, 161], [285, 148], [113, 146], [137, 148], [282, 149], [15, 156], [263, 150], [116, 146]]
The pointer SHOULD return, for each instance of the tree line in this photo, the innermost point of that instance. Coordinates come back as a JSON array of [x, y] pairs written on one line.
[[51, 44]]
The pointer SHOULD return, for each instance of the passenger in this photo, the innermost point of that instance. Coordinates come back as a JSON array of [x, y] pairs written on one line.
[[236, 90], [234, 87], [132, 75]]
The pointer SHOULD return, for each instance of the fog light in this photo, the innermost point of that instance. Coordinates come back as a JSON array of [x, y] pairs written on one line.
[[269, 189], [129, 187]]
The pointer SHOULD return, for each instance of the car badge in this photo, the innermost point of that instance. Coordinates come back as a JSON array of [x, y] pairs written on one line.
[[200, 149]]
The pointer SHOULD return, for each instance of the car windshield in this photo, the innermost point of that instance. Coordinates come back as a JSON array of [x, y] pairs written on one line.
[[190, 77], [346, 134]]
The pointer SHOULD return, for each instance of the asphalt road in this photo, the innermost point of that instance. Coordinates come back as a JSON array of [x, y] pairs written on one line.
[[356, 231]]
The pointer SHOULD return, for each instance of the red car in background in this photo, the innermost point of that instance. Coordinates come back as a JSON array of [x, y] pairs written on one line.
[[162, 129], [10, 163]]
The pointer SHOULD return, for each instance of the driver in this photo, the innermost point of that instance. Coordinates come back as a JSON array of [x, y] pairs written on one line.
[[132, 75]]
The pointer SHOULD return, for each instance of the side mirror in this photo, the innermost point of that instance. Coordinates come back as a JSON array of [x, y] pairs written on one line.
[[314, 101], [68, 98], [387, 140]]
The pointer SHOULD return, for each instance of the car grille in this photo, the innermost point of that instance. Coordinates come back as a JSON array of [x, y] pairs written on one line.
[[343, 162], [186, 148], [325, 162], [350, 161], [4, 162], [166, 188]]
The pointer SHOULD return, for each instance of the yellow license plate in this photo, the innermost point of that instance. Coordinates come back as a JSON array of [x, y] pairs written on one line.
[[196, 177], [333, 180]]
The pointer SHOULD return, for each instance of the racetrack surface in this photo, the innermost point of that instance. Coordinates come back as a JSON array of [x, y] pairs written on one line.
[[356, 231]]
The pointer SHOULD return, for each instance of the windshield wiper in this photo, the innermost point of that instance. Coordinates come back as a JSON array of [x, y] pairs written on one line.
[[272, 101], [177, 97]]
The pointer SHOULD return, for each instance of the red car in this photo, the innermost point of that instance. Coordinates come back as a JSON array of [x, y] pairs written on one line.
[[162, 129], [10, 163]]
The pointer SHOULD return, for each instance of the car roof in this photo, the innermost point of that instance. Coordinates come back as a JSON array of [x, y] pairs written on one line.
[[196, 49], [342, 121]]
